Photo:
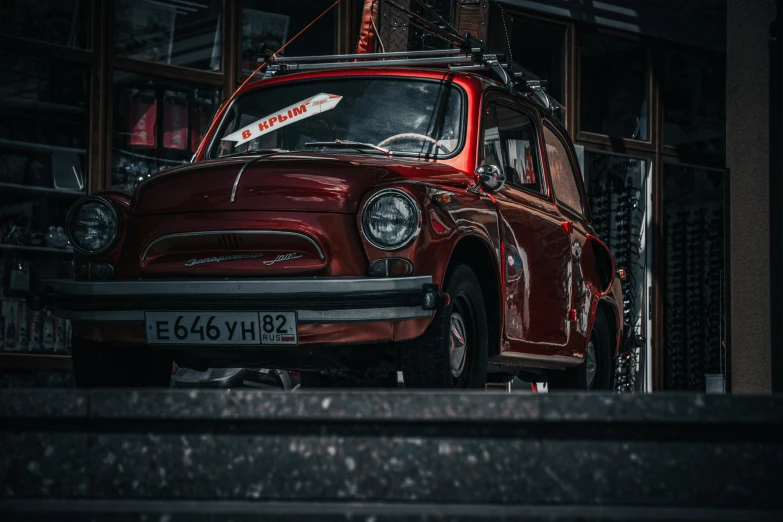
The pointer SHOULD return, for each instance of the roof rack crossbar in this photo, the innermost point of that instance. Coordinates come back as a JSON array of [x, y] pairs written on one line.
[[471, 56], [372, 56], [445, 61], [468, 68]]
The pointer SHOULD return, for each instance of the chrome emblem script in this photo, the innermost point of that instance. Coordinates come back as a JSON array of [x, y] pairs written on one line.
[[282, 257], [253, 255]]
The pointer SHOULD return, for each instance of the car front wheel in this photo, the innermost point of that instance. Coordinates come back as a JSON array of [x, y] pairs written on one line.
[[453, 351], [103, 365]]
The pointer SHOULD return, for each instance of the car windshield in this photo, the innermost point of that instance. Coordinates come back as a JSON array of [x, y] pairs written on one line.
[[402, 115]]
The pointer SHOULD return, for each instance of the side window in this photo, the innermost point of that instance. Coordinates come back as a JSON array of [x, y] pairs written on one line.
[[510, 143], [562, 172]]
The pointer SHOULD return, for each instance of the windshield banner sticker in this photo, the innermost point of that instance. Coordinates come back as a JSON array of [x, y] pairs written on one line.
[[316, 105]]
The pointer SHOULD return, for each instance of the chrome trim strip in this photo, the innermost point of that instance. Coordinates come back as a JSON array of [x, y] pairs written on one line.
[[358, 315], [239, 175], [313, 285], [571, 361], [238, 232]]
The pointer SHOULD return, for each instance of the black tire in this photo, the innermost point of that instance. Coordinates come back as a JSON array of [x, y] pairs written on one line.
[[575, 378], [103, 365], [426, 361]]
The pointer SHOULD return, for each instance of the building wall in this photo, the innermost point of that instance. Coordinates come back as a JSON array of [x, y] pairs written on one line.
[[747, 155]]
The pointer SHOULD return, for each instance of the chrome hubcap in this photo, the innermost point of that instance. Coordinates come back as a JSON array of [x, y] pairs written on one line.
[[458, 345], [591, 365]]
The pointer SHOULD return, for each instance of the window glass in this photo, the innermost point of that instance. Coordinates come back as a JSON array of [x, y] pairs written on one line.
[[616, 188], [186, 34], [157, 124], [62, 22], [614, 87], [44, 123], [694, 103], [406, 116], [538, 46], [269, 25], [421, 40], [562, 172], [510, 143], [694, 280]]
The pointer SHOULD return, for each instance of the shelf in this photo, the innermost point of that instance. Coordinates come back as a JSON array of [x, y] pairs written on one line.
[[17, 102], [44, 362], [38, 147], [41, 190], [25, 248]]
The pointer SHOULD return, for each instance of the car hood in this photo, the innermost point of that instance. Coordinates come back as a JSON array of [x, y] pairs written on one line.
[[284, 182]]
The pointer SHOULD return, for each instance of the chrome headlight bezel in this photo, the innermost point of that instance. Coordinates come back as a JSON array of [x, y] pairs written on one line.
[[368, 204], [72, 214]]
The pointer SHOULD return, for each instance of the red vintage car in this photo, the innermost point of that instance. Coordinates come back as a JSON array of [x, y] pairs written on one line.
[[350, 220]]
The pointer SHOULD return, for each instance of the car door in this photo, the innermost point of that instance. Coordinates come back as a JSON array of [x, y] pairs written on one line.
[[570, 201], [535, 246]]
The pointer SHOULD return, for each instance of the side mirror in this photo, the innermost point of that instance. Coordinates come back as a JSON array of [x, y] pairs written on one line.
[[490, 178]]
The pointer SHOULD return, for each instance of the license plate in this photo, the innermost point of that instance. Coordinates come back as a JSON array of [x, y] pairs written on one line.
[[221, 328]]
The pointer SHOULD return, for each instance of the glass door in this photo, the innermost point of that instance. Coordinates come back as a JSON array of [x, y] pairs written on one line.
[[694, 337], [619, 195]]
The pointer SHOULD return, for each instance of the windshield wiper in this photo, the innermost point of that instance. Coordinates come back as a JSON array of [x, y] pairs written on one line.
[[349, 145], [252, 152]]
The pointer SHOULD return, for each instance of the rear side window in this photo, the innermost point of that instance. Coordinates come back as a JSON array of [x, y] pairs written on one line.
[[562, 172]]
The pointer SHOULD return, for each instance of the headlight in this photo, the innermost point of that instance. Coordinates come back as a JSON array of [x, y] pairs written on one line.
[[390, 219], [92, 225]]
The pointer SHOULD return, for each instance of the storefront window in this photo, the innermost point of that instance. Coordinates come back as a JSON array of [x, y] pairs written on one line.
[[617, 193], [186, 34], [44, 123], [157, 124], [693, 235], [62, 22], [614, 87], [269, 25], [422, 40], [540, 48], [694, 103]]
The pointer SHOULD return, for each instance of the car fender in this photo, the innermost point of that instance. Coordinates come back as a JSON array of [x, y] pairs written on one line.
[[613, 300], [449, 215]]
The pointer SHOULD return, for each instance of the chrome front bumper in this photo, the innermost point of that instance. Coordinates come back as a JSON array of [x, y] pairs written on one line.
[[317, 300]]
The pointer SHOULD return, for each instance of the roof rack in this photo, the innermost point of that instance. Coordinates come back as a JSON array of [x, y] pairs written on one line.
[[472, 56]]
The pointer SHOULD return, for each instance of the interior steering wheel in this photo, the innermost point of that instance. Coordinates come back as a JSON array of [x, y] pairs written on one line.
[[414, 136]]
